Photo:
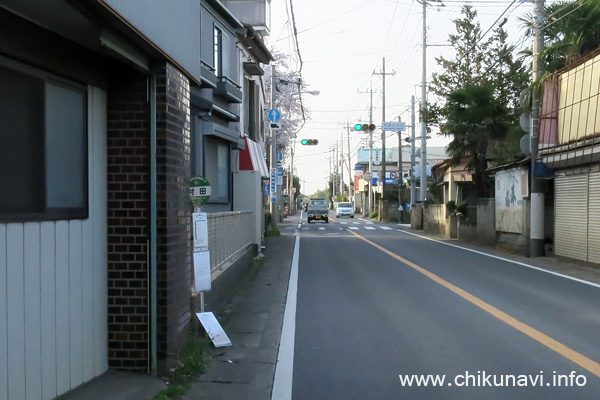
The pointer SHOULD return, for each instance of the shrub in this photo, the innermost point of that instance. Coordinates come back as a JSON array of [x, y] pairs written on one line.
[[451, 206]]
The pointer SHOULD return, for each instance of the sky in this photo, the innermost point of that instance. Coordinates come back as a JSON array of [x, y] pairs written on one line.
[[342, 44]]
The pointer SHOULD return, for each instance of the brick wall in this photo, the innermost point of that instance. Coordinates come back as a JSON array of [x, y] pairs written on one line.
[[174, 210], [128, 222], [128, 217]]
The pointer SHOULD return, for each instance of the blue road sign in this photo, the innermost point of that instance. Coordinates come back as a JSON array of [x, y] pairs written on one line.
[[274, 115]]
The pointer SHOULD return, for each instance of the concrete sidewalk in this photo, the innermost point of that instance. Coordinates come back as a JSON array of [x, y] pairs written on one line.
[[245, 371], [242, 371]]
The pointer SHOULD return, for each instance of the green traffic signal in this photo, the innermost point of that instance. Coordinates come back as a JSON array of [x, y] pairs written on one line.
[[364, 127], [309, 142]]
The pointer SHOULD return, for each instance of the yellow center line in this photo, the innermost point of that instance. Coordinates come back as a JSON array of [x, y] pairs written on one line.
[[578, 358]]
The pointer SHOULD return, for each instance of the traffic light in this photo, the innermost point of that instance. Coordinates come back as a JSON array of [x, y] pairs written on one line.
[[405, 178], [360, 127], [309, 142]]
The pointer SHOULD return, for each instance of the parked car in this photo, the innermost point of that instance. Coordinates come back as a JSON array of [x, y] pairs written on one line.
[[342, 209]]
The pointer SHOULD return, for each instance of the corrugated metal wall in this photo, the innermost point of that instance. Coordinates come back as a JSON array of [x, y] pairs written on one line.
[[53, 290], [571, 216], [577, 216], [594, 218]]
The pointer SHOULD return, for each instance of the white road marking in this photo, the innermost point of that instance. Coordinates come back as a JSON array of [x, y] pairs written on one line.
[[386, 228], [353, 228], [370, 228], [506, 259], [321, 228], [284, 370]]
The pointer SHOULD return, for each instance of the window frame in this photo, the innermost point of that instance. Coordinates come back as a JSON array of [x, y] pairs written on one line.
[[218, 50], [214, 170], [53, 213]]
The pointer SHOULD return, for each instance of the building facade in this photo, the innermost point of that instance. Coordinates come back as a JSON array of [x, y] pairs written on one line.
[[106, 115], [569, 144]]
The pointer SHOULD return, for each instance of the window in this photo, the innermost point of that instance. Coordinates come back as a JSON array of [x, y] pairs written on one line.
[[218, 51], [43, 146], [217, 170]]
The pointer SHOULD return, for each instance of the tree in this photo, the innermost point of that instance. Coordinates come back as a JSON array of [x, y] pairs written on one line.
[[474, 118], [481, 62], [468, 64], [296, 185], [478, 62], [288, 85], [321, 194], [572, 29]]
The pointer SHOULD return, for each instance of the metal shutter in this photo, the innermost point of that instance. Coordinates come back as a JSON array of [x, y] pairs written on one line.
[[571, 209], [594, 218]]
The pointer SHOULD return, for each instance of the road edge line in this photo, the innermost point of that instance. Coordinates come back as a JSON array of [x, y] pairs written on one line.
[[284, 369], [504, 259]]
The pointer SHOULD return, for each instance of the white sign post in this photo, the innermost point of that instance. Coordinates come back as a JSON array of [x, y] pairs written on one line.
[[202, 281], [201, 259]]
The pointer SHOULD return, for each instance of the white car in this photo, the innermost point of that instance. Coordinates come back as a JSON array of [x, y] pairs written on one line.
[[344, 209]]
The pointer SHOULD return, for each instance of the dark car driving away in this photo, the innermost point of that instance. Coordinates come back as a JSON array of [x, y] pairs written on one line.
[[318, 210]]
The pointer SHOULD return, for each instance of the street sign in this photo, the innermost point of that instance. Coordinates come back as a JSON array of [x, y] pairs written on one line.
[[275, 125], [199, 190], [393, 126], [274, 115], [273, 183]]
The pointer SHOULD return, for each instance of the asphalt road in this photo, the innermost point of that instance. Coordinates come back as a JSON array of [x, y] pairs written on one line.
[[376, 304]]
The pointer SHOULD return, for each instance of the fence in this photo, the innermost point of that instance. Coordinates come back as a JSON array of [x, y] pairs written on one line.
[[230, 234], [435, 219]]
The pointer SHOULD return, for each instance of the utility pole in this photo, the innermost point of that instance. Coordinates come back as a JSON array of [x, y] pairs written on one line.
[[330, 174], [536, 231], [351, 187], [291, 195], [401, 177], [273, 156], [342, 163], [413, 181], [382, 175], [423, 193], [370, 194]]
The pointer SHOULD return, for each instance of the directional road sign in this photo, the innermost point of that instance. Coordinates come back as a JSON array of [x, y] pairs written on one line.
[[393, 126], [274, 115]]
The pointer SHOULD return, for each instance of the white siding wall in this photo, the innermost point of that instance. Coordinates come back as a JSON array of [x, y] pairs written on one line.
[[53, 290]]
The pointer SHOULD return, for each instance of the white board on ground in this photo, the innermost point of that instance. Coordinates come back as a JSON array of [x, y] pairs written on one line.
[[214, 329]]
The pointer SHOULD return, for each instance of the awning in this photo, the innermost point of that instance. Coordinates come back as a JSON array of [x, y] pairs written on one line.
[[252, 158]]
